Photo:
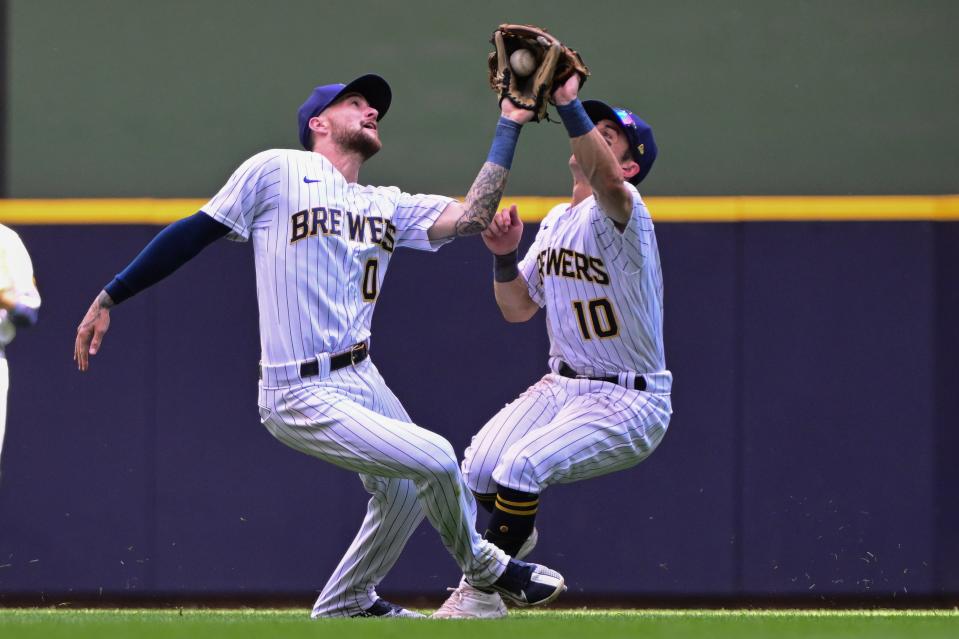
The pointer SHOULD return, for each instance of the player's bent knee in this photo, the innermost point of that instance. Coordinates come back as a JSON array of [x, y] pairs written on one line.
[[451, 465], [441, 460], [478, 478], [442, 467], [518, 473]]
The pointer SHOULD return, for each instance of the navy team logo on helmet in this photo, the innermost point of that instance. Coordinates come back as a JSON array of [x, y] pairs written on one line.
[[639, 135]]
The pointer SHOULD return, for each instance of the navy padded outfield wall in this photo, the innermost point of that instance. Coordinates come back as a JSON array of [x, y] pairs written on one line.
[[808, 457]]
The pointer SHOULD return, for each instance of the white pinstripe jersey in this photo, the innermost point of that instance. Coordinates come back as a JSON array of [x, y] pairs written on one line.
[[321, 247], [602, 289]]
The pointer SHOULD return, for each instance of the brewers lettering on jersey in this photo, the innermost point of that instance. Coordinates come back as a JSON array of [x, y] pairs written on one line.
[[309, 224], [594, 266], [322, 244]]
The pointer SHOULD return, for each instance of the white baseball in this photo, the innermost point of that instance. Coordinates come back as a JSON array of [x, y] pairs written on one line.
[[523, 62]]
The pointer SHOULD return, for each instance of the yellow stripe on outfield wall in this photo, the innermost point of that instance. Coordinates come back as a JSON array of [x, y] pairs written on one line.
[[775, 208], [533, 209], [97, 211]]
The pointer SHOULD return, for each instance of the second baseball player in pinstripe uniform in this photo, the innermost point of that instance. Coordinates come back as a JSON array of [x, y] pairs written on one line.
[[322, 244], [594, 266]]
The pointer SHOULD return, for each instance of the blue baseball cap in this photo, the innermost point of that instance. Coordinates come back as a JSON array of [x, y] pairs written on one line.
[[372, 87], [642, 146]]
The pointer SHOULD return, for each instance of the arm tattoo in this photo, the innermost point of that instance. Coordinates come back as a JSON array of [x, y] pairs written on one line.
[[482, 200], [104, 300], [102, 303]]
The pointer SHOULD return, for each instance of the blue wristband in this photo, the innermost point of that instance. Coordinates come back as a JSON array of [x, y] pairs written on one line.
[[575, 119], [504, 142]]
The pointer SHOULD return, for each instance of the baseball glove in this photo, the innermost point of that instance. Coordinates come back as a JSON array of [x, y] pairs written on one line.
[[554, 64]]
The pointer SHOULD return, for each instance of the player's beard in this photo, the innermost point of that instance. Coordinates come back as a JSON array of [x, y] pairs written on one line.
[[361, 141]]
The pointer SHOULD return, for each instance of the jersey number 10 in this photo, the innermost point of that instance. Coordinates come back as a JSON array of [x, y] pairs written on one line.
[[600, 320]]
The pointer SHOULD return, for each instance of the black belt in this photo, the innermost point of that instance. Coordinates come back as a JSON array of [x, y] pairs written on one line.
[[566, 371], [356, 354]]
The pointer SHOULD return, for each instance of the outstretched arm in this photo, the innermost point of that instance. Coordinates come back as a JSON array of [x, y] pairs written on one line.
[[473, 216], [594, 157], [173, 247]]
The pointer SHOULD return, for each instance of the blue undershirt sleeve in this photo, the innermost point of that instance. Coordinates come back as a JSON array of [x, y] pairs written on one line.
[[173, 247]]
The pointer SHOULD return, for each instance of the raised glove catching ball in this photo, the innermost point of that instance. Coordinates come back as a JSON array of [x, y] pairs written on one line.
[[528, 63]]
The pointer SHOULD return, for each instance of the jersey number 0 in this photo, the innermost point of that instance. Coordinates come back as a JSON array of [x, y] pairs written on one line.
[[370, 279]]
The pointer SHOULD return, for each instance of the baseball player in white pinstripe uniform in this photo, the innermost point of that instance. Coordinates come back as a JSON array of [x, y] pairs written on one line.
[[322, 244], [19, 305], [594, 266]]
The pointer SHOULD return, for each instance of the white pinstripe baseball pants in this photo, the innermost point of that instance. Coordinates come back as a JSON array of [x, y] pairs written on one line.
[[562, 430], [352, 419]]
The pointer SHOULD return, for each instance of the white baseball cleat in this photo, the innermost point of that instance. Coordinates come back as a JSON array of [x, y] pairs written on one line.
[[467, 602]]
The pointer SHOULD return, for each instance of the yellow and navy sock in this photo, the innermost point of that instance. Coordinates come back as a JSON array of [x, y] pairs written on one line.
[[485, 501], [513, 517]]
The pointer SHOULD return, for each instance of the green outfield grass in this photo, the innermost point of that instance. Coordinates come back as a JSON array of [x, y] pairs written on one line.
[[602, 624]]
